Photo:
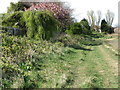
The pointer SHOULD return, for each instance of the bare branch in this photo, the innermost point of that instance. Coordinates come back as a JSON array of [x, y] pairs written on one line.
[[91, 17], [109, 17]]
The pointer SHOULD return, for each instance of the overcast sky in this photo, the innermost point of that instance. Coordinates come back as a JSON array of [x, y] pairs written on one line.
[[80, 7]]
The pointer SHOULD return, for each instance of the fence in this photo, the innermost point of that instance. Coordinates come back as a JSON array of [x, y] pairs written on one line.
[[14, 31]]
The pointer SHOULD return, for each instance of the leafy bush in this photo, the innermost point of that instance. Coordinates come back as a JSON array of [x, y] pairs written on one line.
[[74, 29], [79, 28], [106, 28], [14, 20], [61, 12], [70, 40], [85, 26], [39, 25], [16, 7]]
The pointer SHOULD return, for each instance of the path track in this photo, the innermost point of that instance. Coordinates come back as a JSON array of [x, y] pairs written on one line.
[[99, 68]]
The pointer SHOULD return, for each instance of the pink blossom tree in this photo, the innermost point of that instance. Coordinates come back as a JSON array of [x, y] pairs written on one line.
[[61, 13]]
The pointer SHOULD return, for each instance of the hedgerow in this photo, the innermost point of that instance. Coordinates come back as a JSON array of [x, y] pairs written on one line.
[[39, 25]]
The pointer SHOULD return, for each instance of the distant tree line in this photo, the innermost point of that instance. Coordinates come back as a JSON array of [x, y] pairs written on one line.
[[97, 24]]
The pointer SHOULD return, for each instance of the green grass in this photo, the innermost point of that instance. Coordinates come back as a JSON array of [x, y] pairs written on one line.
[[86, 67], [87, 64], [79, 69]]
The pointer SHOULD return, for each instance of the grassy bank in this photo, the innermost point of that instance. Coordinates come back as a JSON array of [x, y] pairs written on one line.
[[79, 62]]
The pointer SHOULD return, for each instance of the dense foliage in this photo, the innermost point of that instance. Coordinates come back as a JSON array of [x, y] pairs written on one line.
[[106, 28], [59, 10], [81, 27], [20, 56], [14, 20], [17, 7], [39, 25], [85, 26]]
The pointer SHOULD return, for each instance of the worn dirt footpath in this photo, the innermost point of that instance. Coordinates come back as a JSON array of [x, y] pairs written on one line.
[[97, 68]]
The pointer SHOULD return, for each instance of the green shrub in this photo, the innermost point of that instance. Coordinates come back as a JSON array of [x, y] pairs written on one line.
[[106, 28], [70, 40], [81, 27], [15, 7], [85, 26], [39, 25], [14, 20], [74, 29]]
